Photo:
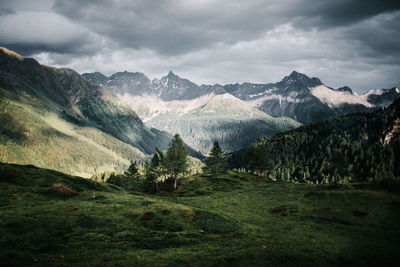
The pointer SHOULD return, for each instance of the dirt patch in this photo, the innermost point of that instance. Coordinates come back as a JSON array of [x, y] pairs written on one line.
[[63, 189]]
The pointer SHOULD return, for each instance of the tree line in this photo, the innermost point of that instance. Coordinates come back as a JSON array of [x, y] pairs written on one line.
[[361, 147], [358, 147], [164, 169]]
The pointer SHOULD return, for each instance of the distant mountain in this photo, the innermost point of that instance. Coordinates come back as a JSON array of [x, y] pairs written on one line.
[[200, 114], [96, 77], [54, 118], [382, 97], [307, 99]]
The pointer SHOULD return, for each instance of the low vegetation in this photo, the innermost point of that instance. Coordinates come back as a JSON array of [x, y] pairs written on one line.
[[232, 219]]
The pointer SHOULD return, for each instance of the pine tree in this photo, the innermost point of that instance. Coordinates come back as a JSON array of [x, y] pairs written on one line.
[[132, 170], [176, 162], [259, 160], [150, 182], [155, 161], [340, 164], [216, 161]]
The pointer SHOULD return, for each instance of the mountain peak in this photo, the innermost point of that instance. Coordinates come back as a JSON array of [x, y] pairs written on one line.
[[345, 89], [128, 75], [299, 79], [171, 74], [297, 75]]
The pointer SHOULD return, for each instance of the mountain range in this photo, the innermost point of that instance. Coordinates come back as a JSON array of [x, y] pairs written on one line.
[[308, 100], [201, 114], [84, 124]]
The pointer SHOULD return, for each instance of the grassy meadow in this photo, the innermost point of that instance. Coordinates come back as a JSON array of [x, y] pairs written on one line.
[[49, 218]]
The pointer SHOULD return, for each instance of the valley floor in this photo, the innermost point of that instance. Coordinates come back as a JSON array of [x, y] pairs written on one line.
[[233, 219]]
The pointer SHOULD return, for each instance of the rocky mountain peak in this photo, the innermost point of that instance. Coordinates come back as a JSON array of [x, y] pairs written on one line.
[[171, 74], [298, 81], [345, 89]]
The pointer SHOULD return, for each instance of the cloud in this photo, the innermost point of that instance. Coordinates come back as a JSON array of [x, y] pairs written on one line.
[[6, 11], [29, 32], [177, 27], [378, 35], [349, 42], [327, 14]]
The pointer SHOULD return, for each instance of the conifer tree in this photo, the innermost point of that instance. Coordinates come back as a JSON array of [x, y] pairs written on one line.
[[216, 161], [132, 170], [259, 160], [150, 183], [155, 161], [176, 162]]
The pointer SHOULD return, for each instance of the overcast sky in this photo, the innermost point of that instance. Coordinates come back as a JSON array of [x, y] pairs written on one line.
[[342, 42]]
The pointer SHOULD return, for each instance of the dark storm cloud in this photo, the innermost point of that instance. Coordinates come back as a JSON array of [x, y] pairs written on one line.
[[29, 32], [328, 13], [177, 27], [379, 35], [212, 40], [5, 11], [171, 27]]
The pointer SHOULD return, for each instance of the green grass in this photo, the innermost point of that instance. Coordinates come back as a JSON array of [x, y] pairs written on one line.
[[28, 134], [233, 220]]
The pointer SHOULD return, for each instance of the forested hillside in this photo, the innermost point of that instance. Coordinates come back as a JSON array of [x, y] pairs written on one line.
[[352, 147]]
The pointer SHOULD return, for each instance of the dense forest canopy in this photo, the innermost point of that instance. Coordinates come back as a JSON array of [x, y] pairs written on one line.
[[361, 146]]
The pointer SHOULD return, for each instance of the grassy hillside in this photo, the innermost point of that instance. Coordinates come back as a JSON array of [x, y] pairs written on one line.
[[49, 218], [32, 136]]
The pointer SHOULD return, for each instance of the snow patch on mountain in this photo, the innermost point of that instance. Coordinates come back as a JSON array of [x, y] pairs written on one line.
[[336, 99]]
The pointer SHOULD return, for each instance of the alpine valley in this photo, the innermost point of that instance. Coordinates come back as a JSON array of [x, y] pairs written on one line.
[[235, 115], [106, 122], [200, 133], [304, 183], [54, 118]]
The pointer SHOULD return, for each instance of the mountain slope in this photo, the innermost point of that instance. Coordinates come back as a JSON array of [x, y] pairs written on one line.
[[64, 91], [307, 99], [200, 114], [52, 109], [362, 146], [34, 136]]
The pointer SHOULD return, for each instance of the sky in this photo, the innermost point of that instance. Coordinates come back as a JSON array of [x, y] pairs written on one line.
[[342, 42]]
